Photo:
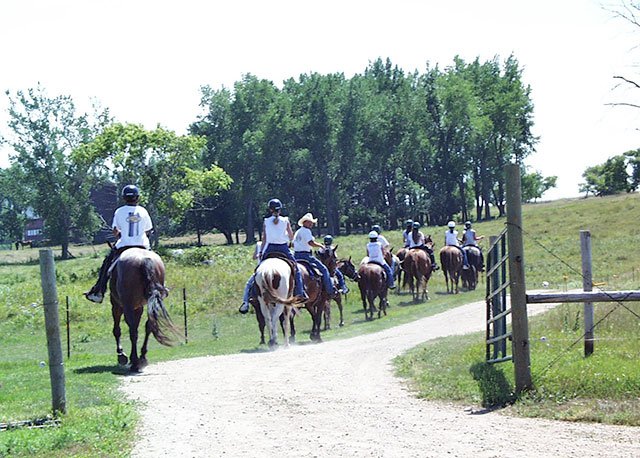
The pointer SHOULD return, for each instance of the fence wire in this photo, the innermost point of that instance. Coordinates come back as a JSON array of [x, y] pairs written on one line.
[[580, 339]]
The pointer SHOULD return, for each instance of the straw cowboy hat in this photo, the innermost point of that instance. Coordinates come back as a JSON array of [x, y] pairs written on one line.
[[307, 217]]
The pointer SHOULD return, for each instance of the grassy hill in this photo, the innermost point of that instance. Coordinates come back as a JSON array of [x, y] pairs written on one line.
[[100, 423]]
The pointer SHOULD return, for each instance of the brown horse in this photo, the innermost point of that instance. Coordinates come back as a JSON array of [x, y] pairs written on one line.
[[372, 284], [138, 280], [329, 259], [400, 255], [470, 275], [318, 299], [418, 267], [451, 261]]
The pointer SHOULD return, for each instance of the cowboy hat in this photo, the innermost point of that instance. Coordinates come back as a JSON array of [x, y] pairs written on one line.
[[307, 217]]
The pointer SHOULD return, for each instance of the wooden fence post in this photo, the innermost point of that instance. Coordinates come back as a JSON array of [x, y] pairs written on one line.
[[52, 324], [587, 285], [518, 291]]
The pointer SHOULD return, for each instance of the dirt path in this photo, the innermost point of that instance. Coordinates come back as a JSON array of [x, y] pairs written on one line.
[[339, 399]]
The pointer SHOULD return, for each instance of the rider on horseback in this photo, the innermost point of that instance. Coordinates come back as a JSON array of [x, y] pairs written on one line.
[[132, 225], [451, 239], [303, 241], [469, 238], [416, 240], [374, 252], [384, 242], [276, 235], [408, 224], [328, 241]]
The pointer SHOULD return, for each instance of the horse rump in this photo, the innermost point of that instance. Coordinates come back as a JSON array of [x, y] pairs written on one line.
[[159, 321]]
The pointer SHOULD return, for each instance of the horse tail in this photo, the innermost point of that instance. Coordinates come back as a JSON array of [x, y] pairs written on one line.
[[160, 323]]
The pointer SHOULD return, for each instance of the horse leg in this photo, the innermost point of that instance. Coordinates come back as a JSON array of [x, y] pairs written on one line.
[[326, 309], [143, 350], [132, 317], [339, 302], [287, 324], [117, 332]]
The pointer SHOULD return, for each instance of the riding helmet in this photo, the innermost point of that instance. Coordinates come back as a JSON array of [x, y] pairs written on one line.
[[467, 224], [408, 222], [373, 235], [328, 240], [416, 225], [451, 224], [376, 227], [130, 191], [275, 204]]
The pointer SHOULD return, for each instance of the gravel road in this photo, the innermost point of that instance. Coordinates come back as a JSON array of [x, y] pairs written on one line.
[[340, 399]]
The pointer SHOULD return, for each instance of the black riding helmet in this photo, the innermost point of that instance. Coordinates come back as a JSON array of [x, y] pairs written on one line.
[[130, 193], [328, 240], [275, 205]]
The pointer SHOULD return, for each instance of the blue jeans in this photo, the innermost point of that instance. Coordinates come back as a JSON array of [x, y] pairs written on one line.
[[340, 278], [315, 262]]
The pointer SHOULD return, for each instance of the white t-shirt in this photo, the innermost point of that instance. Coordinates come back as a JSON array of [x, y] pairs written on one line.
[[383, 241], [133, 222], [276, 233], [451, 238], [469, 237], [414, 243], [256, 253], [374, 249], [301, 239]]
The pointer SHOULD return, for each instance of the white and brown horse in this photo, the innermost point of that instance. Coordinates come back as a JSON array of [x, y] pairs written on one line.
[[274, 282]]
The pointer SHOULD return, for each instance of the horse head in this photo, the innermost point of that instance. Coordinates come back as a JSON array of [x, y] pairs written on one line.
[[348, 269]]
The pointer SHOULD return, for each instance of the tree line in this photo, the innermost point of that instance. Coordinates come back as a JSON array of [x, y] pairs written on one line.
[[379, 147]]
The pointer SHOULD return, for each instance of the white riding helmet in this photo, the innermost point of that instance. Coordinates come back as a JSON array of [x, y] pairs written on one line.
[[373, 235], [451, 224]]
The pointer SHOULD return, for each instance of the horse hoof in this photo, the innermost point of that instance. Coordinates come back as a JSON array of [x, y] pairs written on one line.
[[143, 363], [134, 370], [122, 359], [341, 324]]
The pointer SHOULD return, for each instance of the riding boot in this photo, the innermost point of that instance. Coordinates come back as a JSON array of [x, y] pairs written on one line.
[[97, 291], [299, 294], [248, 293]]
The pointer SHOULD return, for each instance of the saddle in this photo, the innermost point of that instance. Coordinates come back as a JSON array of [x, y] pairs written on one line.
[[292, 266], [314, 272]]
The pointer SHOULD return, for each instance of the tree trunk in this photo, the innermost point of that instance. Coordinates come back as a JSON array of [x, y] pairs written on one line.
[[250, 229], [229, 236]]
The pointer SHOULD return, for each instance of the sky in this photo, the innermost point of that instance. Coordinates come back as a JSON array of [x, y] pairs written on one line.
[[146, 60]]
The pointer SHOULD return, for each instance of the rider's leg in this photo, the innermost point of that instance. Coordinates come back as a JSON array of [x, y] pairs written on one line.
[[248, 288], [341, 283], [390, 281], [97, 291], [326, 276], [432, 257], [465, 260]]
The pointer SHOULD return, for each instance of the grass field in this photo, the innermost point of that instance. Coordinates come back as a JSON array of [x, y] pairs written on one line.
[[100, 423]]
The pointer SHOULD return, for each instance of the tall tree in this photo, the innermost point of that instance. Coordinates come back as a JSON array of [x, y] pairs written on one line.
[[44, 132]]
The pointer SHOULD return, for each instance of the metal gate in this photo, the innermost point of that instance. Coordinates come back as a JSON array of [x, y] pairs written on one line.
[[496, 298]]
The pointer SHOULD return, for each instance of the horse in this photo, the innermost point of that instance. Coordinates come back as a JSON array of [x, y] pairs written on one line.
[[400, 255], [318, 300], [470, 275], [372, 284], [274, 283], [262, 323], [451, 261], [329, 259], [138, 279], [418, 267]]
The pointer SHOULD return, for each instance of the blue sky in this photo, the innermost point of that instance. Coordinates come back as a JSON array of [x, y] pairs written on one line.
[[146, 60]]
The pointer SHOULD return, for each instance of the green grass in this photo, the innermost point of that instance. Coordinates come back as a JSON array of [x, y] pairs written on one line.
[[100, 422], [604, 387]]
